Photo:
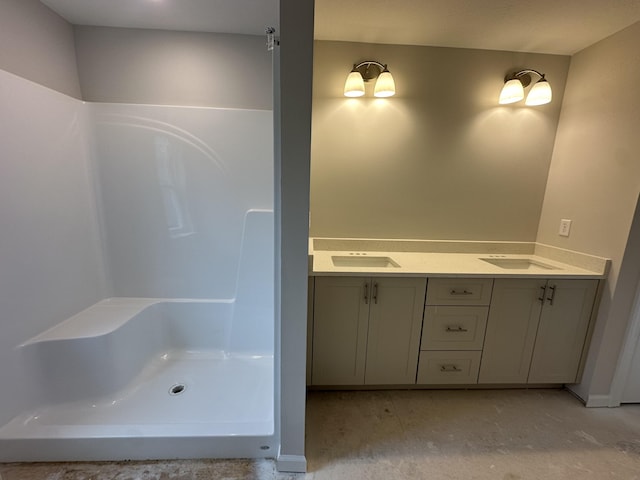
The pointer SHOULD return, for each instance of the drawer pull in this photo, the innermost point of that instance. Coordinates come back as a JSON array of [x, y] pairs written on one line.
[[450, 368], [456, 329], [463, 292]]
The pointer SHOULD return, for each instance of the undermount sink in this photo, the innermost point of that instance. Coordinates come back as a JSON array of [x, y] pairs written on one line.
[[363, 261], [518, 264]]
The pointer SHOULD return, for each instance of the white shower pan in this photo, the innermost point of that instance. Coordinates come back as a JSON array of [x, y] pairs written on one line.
[[145, 378]]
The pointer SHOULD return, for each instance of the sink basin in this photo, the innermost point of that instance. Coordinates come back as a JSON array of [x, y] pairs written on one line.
[[363, 261], [518, 264]]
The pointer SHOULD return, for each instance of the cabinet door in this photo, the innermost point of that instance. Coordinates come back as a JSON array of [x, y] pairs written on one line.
[[310, 293], [340, 320], [511, 330], [562, 330], [395, 322]]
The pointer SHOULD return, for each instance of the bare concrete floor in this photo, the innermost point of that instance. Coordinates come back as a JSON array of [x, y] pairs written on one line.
[[435, 435]]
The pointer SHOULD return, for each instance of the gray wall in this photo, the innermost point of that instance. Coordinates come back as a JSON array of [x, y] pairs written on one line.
[[37, 44], [123, 65], [293, 67], [441, 159], [594, 180]]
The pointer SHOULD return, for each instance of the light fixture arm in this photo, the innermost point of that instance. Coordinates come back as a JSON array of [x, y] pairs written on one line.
[[369, 69], [524, 76]]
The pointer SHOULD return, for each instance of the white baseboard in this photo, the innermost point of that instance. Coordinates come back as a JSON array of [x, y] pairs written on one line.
[[598, 401], [291, 463]]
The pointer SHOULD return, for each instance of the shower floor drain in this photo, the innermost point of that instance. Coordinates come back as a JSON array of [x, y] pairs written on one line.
[[177, 389]]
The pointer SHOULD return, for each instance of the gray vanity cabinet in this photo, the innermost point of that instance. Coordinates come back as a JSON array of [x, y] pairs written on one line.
[[366, 331], [536, 330], [370, 330], [562, 331]]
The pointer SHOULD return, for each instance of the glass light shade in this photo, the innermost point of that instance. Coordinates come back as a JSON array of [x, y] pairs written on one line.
[[385, 86], [354, 86], [512, 92], [540, 93]]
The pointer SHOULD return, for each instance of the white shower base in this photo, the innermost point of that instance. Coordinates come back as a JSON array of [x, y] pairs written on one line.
[[225, 408]]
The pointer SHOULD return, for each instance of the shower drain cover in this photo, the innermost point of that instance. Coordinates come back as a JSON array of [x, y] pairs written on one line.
[[177, 389]]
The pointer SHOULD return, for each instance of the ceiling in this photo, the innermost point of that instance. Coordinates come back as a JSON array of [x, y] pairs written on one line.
[[545, 26], [249, 17]]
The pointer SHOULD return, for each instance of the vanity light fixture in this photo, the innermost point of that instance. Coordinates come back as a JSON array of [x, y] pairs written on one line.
[[365, 72], [515, 83]]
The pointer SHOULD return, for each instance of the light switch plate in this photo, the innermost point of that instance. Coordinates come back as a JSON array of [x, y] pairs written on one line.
[[565, 227]]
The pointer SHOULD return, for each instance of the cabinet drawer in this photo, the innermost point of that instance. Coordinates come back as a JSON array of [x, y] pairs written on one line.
[[453, 328], [441, 368], [459, 291]]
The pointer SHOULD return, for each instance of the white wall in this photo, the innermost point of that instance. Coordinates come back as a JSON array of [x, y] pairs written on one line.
[[50, 252], [162, 67], [38, 44], [594, 180], [175, 184], [441, 159]]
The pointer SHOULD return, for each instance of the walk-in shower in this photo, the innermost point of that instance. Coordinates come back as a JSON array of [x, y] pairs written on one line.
[[137, 279]]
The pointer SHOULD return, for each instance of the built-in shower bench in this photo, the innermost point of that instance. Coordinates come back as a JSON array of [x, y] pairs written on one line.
[[99, 319]]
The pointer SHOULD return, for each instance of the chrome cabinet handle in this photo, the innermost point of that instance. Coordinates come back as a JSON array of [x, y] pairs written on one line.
[[464, 292], [553, 294], [375, 293], [456, 329], [366, 294], [544, 292], [450, 368]]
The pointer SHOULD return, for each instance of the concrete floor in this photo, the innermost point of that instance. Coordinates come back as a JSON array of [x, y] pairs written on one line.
[[428, 434]]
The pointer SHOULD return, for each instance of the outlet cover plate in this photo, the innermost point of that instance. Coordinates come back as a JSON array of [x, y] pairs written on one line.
[[565, 227]]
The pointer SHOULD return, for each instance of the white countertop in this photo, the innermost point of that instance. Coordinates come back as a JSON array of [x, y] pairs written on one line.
[[453, 264]]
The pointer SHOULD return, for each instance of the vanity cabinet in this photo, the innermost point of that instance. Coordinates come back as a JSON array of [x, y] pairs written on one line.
[[372, 331], [536, 330], [562, 331], [366, 331]]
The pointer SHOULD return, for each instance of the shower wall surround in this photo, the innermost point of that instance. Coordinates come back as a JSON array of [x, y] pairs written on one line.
[[175, 183], [50, 251], [100, 200]]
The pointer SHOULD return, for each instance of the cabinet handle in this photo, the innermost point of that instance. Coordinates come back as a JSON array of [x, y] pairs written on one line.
[[544, 292], [366, 294], [553, 294], [375, 293], [450, 368], [464, 292], [456, 329]]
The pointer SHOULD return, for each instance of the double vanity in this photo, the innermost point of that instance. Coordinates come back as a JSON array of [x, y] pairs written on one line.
[[433, 314]]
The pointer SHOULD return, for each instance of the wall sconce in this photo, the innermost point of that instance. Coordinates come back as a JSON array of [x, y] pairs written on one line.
[[515, 83], [365, 72]]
